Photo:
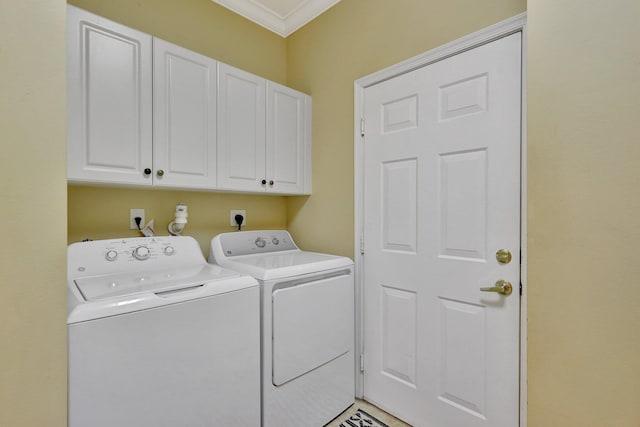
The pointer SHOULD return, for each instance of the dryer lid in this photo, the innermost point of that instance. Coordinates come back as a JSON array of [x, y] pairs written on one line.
[[286, 264]]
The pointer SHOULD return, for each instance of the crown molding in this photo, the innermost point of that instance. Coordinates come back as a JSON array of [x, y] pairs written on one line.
[[254, 11]]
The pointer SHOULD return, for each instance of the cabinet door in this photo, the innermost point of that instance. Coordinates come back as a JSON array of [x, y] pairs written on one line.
[[184, 117], [288, 149], [109, 100], [241, 130]]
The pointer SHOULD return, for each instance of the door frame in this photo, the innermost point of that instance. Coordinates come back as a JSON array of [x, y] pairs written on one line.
[[504, 28]]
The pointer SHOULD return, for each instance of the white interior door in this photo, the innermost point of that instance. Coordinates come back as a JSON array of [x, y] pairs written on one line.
[[442, 196]]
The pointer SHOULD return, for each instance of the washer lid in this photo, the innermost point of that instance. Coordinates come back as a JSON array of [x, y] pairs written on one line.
[[286, 264], [116, 285], [103, 296]]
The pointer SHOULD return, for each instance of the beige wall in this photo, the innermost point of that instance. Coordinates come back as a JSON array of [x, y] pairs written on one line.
[[584, 99], [351, 40], [94, 214], [584, 94], [33, 213], [584, 226], [207, 28]]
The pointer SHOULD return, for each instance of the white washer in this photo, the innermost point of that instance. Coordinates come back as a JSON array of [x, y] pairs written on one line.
[[160, 338], [308, 375]]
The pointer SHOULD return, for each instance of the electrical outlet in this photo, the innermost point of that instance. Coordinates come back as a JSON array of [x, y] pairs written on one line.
[[235, 212], [132, 222]]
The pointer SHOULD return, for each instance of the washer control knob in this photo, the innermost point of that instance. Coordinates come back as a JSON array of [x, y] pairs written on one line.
[[141, 253], [275, 241], [169, 250], [111, 255], [260, 242]]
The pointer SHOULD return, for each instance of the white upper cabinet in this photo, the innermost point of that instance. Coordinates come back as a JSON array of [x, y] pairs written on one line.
[[109, 101], [264, 135], [241, 129], [184, 117], [288, 140], [143, 111]]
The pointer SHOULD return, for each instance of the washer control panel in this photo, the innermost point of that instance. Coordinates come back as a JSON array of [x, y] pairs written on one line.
[[137, 252], [256, 242], [133, 254]]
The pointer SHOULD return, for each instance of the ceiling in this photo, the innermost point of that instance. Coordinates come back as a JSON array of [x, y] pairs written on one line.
[[283, 17]]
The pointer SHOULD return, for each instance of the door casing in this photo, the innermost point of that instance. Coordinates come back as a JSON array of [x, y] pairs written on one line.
[[486, 35]]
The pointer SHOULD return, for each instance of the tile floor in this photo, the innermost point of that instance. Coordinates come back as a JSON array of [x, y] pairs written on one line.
[[389, 420]]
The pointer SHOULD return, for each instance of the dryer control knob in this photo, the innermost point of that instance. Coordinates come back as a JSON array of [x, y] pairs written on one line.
[[260, 242], [141, 253], [169, 250], [111, 255], [275, 241]]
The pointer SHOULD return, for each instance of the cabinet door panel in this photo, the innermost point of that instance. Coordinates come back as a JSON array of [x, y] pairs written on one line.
[[184, 101], [241, 129], [288, 139], [109, 100]]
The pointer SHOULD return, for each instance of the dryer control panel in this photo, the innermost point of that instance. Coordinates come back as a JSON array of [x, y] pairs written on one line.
[[256, 242]]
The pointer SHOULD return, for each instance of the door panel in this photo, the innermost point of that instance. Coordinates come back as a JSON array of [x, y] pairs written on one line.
[[399, 216], [399, 334], [109, 100], [462, 98], [287, 139], [185, 116], [462, 383], [463, 204], [310, 325], [442, 195], [241, 129]]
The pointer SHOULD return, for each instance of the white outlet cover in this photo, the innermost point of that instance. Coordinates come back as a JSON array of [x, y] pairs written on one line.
[[132, 222], [232, 217]]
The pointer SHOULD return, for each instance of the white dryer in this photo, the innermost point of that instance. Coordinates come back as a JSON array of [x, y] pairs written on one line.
[[160, 338], [308, 375]]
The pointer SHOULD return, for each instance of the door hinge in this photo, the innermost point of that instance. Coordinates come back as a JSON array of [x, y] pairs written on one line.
[[361, 245], [362, 363], [520, 288], [362, 127]]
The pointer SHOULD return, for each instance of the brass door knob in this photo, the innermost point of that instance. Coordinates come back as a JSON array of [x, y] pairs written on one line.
[[503, 256], [502, 287], [160, 172]]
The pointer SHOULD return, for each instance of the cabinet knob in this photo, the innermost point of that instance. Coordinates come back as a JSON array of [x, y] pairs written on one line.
[[271, 183], [147, 171], [160, 172], [264, 181]]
